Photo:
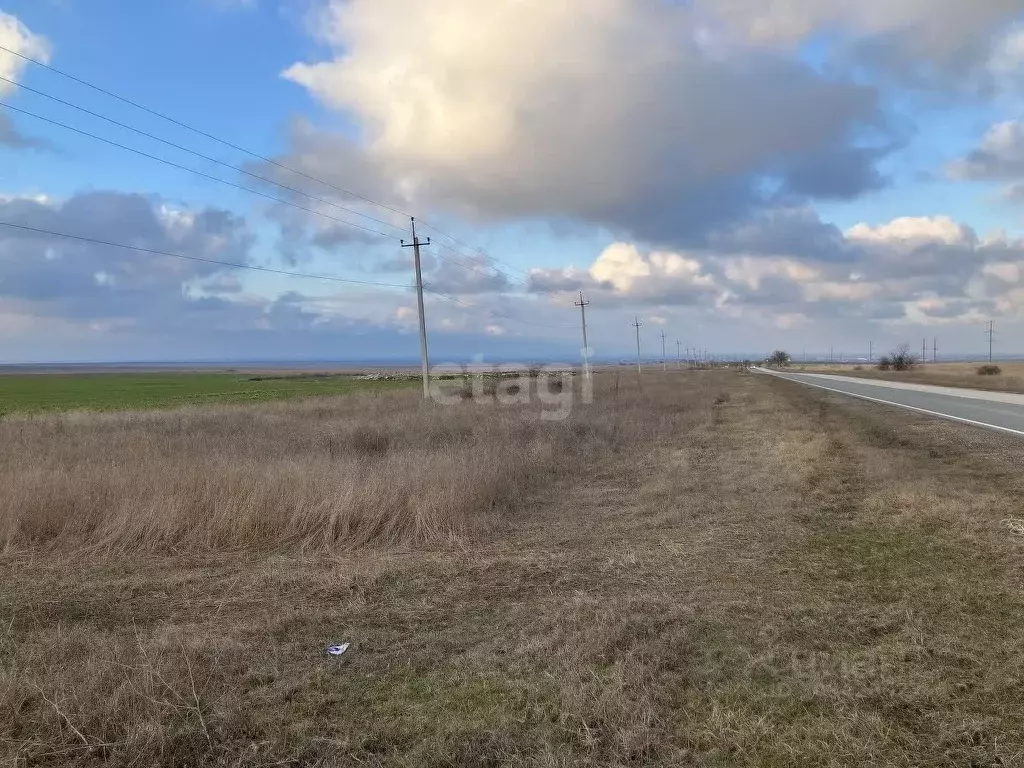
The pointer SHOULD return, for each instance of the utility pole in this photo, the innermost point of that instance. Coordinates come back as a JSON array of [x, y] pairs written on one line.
[[830, 354], [871, 351], [583, 304], [415, 245], [679, 355], [638, 325], [664, 361], [924, 350], [935, 350], [991, 335]]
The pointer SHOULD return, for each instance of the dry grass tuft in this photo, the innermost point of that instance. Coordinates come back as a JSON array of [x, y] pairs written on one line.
[[316, 476]]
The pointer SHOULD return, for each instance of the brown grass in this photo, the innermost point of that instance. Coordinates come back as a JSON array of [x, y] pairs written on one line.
[[316, 476], [749, 573]]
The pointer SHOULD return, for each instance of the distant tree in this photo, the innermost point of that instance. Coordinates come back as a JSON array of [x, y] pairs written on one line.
[[900, 360], [779, 358]]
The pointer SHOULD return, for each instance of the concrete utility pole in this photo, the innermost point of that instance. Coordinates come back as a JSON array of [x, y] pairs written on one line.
[[924, 350], [664, 361], [935, 350], [871, 351], [638, 325], [583, 304], [991, 337], [679, 355], [415, 245]]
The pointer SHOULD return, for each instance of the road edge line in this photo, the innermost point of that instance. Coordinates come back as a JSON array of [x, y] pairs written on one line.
[[937, 414]]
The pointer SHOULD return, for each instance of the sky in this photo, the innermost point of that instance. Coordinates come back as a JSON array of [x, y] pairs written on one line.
[[741, 176]]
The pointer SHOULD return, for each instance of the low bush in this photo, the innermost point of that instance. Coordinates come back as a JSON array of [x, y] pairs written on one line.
[[989, 370], [900, 360]]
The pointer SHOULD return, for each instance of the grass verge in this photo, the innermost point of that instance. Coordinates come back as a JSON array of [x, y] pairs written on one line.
[[778, 577]]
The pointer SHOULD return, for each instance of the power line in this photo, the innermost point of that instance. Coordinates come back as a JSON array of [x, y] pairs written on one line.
[[415, 245], [481, 309], [491, 312], [583, 304], [252, 191], [482, 265], [236, 147], [200, 155], [195, 130], [253, 267], [471, 248], [173, 164], [638, 325], [254, 155], [232, 264], [232, 145]]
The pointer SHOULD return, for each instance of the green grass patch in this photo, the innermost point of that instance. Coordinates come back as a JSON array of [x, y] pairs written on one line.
[[135, 391]]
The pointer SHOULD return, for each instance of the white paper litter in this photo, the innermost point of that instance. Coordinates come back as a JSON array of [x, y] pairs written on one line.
[[337, 650]]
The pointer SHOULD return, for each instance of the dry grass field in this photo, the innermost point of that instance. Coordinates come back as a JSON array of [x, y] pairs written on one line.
[[940, 374], [718, 570]]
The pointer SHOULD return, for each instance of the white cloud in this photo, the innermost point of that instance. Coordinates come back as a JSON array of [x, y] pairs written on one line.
[[17, 37], [614, 112], [943, 34], [912, 231]]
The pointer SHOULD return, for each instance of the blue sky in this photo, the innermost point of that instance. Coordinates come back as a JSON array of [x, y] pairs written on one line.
[[744, 176]]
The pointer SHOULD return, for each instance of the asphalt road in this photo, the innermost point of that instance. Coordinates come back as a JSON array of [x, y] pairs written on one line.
[[994, 410]]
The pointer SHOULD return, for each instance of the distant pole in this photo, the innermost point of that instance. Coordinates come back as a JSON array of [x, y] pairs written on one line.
[[924, 350], [583, 304], [991, 337], [638, 325], [664, 360], [935, 350], [871, 351], [830, 354], [679, 355], [415, 245]]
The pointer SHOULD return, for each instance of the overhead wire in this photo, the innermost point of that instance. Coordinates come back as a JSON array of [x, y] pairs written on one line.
[[203, 259], [195, 130], [255, 267], [200, 155], [483, 261], [195, 171], [239, 148], [484, 310]]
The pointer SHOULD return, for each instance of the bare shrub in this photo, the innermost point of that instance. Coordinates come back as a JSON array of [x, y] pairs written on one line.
[[900, 360], [989, 370]]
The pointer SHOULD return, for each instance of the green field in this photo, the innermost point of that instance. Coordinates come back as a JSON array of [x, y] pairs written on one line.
[[130, 391]]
